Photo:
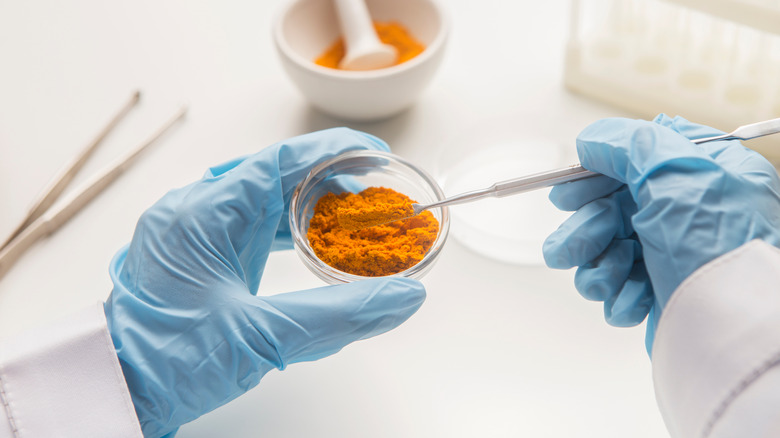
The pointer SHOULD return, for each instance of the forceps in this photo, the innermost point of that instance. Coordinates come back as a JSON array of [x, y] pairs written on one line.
[[40, 221], [577, 172]]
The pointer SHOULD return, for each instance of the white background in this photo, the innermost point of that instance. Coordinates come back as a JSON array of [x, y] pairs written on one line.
[[497, 350]]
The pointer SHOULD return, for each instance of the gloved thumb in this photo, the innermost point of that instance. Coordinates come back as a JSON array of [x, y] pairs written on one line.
[[631, 150], [312, 324]]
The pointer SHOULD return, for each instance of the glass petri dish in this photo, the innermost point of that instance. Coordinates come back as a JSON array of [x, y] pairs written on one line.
[[511, 229], [353, 172]]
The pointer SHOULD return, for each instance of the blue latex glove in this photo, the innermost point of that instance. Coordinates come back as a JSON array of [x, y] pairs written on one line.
[[665, 208], [188, 329]]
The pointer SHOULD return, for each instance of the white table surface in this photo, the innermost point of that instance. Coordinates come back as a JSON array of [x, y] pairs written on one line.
[[497, 350]]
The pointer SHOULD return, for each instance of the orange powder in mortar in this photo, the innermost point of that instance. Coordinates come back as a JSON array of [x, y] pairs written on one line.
[[374, 251], [389, 33]]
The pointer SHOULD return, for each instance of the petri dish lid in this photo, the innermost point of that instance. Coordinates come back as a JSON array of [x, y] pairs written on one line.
[[511, 229]]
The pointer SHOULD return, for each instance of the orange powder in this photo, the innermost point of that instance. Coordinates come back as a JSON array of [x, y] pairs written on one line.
[[375, 251], [389, 33], [357, 218]]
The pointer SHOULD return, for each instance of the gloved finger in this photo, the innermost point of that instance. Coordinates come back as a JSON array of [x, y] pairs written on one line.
[[309, 325], [693, 131], [630, 305], [730, 154], [573, 195], [631, 150], [589, 230], [740, 158], [605, 276], [283, 238], [298, 155], [687, 128]]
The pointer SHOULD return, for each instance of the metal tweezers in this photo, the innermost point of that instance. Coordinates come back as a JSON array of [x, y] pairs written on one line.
[[40, 221]]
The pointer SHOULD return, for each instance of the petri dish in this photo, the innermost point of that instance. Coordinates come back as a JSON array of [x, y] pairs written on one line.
[[511, 229], [354, 171]]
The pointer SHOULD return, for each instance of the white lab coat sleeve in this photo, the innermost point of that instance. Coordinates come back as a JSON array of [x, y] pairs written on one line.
[[65, 380], [716, 355]]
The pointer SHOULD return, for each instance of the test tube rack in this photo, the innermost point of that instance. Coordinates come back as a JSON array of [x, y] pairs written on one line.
[[715, 62]]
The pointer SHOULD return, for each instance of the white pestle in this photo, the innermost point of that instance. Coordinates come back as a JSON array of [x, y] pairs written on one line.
[[364, 50]]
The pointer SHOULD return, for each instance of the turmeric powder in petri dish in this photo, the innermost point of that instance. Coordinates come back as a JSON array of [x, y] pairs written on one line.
[[374, 251], [391, 33], [357, 218]]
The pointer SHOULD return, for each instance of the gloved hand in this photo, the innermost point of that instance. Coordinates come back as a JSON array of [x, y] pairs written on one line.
[[188, 329], [665, 208]]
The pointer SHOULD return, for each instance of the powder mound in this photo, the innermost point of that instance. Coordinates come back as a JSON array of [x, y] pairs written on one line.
[[374, 251], [372, 215], [391, 33]]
